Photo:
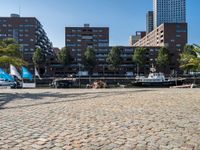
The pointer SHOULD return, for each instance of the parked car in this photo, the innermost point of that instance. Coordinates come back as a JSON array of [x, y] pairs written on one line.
[[4, 82], [61, 83], [16, 85]]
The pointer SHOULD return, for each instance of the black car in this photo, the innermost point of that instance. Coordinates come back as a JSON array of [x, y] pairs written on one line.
[[61, 83], [16, 85]]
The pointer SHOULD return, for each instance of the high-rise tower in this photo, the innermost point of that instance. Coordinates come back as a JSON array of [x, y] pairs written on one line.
[[169, 11], [149, 21]]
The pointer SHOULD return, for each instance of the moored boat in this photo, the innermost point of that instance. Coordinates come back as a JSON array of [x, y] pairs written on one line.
[[155, 79]]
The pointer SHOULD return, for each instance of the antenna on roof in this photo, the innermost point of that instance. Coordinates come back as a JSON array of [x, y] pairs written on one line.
[[19, 8]]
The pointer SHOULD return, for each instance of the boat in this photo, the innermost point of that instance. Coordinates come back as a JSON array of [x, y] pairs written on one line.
[[155, 79]]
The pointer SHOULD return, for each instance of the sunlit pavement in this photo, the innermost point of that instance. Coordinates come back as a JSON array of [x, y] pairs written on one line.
[[100, 119]]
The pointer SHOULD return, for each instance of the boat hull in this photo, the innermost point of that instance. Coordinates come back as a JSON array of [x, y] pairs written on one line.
[[158, 84]]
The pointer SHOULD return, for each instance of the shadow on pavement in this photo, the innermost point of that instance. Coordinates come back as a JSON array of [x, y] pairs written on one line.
[[5, 98]]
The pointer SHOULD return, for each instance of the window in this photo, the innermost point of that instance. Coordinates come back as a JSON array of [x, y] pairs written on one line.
[[103, 44], [2, 35], [22, 45], [95, 30], [103, 40], [179, 31], [151, 50], [70, 35], [87, 37], [172, 40], [26, 49], [71, 44]]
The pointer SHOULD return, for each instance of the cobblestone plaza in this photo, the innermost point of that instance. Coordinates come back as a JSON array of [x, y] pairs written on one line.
[[121, 119]]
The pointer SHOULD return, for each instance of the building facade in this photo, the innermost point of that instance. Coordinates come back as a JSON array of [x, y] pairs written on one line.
[[149, 21], [134, 38], [102, 69], [78, 39], [169, 11], [171, 35], [29, 33]]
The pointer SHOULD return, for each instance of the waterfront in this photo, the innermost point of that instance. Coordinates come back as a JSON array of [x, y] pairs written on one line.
[[100, 119]]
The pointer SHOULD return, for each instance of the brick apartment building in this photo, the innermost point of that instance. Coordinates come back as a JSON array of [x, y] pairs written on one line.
[[171, 35], [78, 39], [29, 33], [126, 68]]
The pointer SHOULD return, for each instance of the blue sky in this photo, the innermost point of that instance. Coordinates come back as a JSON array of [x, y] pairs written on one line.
[[124, 17]]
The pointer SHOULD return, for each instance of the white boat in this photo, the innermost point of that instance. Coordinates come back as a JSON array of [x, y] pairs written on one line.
[[156, 79]]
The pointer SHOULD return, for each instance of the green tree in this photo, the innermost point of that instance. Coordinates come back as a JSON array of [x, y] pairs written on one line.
[[189, 59], [10, 53], [163, 58], [114, 58], [64, 56], [38, 57], [139, 57], [90, 59]]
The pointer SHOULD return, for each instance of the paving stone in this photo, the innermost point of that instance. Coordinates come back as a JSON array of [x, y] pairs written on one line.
[[100, 119]]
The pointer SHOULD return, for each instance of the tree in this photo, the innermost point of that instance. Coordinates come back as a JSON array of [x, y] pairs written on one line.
[[64, 56], [139, 57], [90, 59], [38, 57], [189, 59], [114, 58], [10, 53], [163, 58]]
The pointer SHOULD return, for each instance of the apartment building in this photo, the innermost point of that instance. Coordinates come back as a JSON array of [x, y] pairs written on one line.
[[78, 39], [29, 33], [170, 35], [102, 68]]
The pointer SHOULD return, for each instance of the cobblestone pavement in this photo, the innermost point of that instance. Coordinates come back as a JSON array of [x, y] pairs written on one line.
[[100, 119]]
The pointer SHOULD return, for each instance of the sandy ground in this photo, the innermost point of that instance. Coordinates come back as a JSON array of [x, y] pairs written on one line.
[[100, 119]]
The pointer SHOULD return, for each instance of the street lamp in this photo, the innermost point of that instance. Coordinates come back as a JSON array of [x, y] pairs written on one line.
[[79, 66], [103, 71]]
